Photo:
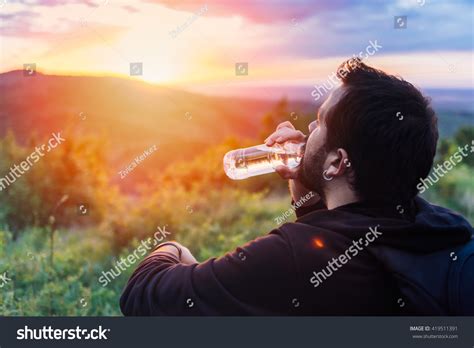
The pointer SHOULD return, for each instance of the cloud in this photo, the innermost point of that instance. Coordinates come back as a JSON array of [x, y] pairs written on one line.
[[432, 27], [18, 15], [17, 23], [52, 3], [43, 18], [130, 9], [257, 11]]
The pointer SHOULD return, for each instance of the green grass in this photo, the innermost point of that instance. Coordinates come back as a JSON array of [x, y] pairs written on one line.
[[69, 285]]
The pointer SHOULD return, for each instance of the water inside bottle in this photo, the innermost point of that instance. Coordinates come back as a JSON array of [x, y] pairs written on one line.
[[261, 159]]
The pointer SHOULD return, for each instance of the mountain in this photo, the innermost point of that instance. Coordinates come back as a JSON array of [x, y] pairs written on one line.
[[116, 104], [128, 115], [454, 107]]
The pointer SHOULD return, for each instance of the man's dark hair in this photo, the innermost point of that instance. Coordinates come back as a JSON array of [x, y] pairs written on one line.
[[387, 128]]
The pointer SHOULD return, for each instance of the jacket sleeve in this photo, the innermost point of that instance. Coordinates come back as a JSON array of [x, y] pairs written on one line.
[[252, 280]]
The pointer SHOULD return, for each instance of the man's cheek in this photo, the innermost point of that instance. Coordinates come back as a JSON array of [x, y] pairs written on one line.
[[313, 143], [319, 139], [310, 139]]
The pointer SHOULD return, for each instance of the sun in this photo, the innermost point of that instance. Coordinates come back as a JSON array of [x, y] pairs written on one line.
[[160, 73]]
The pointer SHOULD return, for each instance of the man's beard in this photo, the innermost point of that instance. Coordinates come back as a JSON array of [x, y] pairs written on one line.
[[310, 172]]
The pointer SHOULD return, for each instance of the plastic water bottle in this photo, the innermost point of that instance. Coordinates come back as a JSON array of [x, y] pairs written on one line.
[[261, 159]]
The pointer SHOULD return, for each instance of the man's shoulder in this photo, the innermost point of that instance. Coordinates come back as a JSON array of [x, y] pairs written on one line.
[[303, 234]]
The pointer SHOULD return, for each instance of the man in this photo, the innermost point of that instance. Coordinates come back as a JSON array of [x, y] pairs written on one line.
[[363, 244]]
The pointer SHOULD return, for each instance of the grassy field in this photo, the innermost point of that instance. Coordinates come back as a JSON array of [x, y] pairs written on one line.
[[68, 283]]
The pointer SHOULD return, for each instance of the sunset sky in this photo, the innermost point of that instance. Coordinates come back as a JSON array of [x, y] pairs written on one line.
[[198, 43]]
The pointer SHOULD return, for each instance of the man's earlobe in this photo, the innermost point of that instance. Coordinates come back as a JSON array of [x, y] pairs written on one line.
[[327, 176]]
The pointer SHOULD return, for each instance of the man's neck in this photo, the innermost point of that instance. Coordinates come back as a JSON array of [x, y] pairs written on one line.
[[340, 198]]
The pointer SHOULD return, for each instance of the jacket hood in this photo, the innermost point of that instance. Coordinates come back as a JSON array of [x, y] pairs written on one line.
[[417, 245], [419, 227]]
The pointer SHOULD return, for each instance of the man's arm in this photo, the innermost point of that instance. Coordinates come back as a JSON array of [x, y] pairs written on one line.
[[257, 279]]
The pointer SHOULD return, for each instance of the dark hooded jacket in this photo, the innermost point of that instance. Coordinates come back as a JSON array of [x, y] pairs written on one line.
[[357, 259]]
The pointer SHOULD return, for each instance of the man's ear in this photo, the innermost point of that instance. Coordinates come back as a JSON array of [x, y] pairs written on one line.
[[338, 163]]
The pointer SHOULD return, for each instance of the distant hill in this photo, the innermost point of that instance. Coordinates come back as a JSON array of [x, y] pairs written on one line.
[[455, 107], [131, 115], [128, 109]]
